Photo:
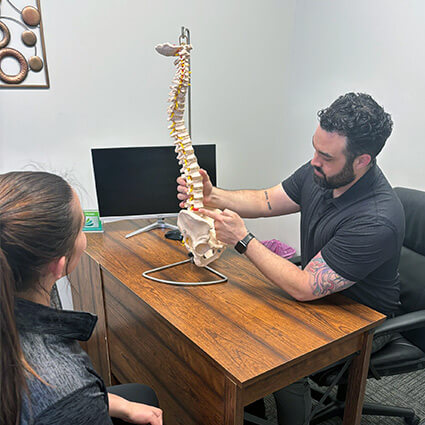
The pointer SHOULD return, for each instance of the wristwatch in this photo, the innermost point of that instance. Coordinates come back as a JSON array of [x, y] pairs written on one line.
[[242, 245]]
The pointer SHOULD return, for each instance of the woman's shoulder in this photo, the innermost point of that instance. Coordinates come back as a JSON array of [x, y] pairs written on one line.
[[63, 369]]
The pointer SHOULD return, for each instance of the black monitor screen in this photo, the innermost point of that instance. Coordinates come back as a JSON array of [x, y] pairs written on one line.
[[142, 180]]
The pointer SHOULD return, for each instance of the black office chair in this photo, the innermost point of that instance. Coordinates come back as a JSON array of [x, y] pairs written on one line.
[[406, 350]]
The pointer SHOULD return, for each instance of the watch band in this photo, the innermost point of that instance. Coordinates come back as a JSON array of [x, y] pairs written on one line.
[[242, 245]]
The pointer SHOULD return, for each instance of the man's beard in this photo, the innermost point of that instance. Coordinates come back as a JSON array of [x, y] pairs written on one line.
[[344, 177]]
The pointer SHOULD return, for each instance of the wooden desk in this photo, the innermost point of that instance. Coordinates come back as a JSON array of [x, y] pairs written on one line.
[[209, 350]]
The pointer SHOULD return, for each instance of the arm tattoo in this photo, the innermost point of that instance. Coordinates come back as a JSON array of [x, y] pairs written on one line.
[[267, 199], [324, 280]]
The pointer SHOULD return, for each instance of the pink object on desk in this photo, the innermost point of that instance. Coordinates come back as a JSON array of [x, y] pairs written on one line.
[[279, 248]]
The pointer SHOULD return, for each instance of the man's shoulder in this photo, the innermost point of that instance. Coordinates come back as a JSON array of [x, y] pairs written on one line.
[[387, 205], [372, 209], [375, 218], [298, 181], [305, 169]]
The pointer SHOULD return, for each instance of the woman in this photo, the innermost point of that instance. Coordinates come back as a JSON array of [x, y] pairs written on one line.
[[46, 378]]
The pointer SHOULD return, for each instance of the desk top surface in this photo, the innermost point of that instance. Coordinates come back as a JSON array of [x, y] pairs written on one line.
[[247, 325]]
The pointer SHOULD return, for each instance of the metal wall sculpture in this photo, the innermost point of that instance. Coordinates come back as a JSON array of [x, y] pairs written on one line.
[[22, 49]]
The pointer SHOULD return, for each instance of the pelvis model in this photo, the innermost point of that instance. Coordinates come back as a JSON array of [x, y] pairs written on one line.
[[197, 229]]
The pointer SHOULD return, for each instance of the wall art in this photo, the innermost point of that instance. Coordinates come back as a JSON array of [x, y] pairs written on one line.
[[23, 61]]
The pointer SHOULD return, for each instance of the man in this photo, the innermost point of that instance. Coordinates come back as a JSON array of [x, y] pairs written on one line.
[[352, 223]]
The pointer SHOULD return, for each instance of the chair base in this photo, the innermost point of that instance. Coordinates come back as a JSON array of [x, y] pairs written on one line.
[[336, 408]]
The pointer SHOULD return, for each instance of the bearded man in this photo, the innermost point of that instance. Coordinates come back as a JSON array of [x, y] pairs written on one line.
[[352, 223]]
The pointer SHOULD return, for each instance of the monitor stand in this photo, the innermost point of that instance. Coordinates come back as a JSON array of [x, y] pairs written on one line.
[[160, 224]]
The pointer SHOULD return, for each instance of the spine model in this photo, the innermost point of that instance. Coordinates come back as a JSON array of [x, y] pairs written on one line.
[[197, 230], [177, 127]]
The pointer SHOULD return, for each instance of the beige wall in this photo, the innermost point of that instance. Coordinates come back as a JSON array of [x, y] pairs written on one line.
[[261, 70]]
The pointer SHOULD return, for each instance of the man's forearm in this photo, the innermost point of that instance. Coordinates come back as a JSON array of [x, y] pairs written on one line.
[[247, 203], [254, 203], [317, 280], [281, 272]]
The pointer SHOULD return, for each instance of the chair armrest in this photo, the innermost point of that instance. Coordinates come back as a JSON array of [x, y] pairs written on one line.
[[402, 323], [295, 260]]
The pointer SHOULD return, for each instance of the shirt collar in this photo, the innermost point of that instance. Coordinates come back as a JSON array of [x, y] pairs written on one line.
[[359, 190], [38, 318]]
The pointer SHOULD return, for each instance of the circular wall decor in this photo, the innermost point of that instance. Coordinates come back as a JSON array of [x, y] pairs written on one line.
[[31, 16], [29, 38], [6, 35], [21, 75], [35, 63]]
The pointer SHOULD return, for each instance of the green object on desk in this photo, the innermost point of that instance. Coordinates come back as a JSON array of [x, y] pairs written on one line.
[[92, 222]]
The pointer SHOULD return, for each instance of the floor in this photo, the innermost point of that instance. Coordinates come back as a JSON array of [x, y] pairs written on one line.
[[403, 390]]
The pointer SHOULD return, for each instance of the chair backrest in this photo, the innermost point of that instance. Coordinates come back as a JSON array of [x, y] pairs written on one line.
[[412, 260]]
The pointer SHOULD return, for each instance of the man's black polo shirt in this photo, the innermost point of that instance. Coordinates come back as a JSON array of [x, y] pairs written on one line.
[[360, 233]]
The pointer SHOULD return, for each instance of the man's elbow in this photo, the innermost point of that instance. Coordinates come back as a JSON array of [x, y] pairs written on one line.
[[303, 291], [304, 296]]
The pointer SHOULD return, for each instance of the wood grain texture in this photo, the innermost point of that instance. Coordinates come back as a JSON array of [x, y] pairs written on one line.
[[246, 332], [144, 348], [233, 414], [357, 382], [87, 295], [304, 366]]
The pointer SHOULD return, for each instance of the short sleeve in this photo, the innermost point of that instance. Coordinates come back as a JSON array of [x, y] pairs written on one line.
[[294, 183], [360, 247]]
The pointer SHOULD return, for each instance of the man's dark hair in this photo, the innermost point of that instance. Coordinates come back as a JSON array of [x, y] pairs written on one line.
[[359, 118]]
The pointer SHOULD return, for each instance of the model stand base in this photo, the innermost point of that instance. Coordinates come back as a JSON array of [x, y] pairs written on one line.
[[147, 274]]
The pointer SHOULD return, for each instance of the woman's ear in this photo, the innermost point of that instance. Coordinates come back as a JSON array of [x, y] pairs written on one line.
[[57, 267]]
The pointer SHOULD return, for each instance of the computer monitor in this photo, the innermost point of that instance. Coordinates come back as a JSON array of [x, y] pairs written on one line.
[[142, 180]]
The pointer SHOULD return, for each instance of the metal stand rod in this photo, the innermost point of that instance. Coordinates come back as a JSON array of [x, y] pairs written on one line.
[[172, 282], [160, 224], [185, 37]]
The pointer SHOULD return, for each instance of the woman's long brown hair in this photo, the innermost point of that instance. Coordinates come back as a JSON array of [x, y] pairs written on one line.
[[38, 224]]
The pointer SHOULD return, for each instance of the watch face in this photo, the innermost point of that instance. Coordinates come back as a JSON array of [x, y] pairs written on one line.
[[240, 247]]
